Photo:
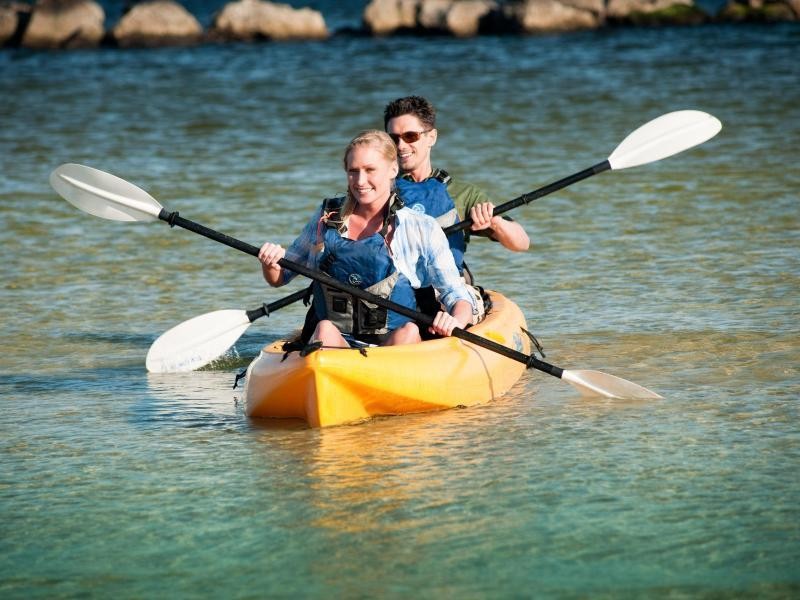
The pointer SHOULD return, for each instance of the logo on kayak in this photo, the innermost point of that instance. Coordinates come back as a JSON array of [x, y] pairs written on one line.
[[517, 339], [355, 279], [420, 208]]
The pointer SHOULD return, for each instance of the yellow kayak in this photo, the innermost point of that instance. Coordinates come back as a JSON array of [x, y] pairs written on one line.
[[336, 386]]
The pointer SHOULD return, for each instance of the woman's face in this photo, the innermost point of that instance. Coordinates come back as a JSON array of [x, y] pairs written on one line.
[[370, 175]]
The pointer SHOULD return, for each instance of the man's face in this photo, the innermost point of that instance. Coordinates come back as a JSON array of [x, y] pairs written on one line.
[[412, 155]]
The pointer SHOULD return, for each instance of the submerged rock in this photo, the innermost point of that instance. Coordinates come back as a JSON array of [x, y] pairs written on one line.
[[157, 23], [257, 19], [64, 24]]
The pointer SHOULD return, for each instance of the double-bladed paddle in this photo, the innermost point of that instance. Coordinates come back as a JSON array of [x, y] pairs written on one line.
[[662, 137], [104, 195], [198, 341], [203, 339]]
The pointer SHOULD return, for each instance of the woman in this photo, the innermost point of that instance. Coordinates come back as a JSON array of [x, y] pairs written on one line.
[[368, 240]]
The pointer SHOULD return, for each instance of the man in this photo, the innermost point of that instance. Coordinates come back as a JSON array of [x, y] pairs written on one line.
[[411, 123]]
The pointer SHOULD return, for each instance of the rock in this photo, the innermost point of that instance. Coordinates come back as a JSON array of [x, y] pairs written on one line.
[[761, 10], [254, 19], [595, 6], [461, 18], [622, 8], [464, 18], [541, 16], [382, 17], [14, 19], [157, 23], [64, 24], [432, 14], [654, 12]]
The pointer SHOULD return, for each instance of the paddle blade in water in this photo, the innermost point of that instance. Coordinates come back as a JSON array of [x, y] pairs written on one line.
[[103, 195], [662, 137], [196, 342], [595, 383]]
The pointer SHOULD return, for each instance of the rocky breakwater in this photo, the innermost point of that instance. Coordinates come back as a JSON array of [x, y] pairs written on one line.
[[54, 24], [472, 17], [50, 24], [465, 18]]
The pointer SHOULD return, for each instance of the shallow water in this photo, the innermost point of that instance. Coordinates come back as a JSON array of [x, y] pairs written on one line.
[[681, 276]]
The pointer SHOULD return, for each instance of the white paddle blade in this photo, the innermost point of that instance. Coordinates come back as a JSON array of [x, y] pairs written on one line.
[[596, 383], [102, 194], [662, 137], [196, 342]]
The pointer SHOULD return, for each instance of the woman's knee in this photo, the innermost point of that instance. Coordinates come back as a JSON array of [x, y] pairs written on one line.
[[406, 334], [327, 333]]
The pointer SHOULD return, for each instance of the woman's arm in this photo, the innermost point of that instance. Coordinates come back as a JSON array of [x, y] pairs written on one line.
[[269, 255], [440, 269], [300, 252]]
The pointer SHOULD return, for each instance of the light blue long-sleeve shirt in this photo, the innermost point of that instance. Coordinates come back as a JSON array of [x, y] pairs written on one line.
[[419, 249]]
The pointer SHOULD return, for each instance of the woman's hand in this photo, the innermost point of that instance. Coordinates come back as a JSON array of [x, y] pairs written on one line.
[[444, 323], [269, 255]]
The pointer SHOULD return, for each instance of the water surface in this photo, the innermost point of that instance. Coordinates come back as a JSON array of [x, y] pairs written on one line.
[[681, 276]]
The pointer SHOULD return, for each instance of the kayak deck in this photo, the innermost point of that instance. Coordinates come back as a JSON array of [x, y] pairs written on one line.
[[335, 386]]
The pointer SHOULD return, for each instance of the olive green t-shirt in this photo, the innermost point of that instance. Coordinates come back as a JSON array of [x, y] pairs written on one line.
[[465, 196]]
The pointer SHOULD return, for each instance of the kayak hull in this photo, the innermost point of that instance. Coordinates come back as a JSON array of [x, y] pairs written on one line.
[[337, 386]]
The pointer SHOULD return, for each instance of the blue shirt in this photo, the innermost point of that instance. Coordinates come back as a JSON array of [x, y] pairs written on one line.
[[419, 249]]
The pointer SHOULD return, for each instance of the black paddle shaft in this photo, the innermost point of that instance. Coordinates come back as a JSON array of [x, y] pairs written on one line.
[[531, 196], [530, 361], [266, 309]]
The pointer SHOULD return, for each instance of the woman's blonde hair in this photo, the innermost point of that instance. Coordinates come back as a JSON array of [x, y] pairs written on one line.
[[372, 137], [376, 138]]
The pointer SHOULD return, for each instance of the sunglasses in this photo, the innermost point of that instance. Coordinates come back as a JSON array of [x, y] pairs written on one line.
[[409, 137]]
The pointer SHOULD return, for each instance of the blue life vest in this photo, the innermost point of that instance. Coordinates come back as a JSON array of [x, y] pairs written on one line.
[[431, 197], [364, 264]]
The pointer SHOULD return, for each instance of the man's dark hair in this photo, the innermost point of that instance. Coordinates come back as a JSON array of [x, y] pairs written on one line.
[[411, 105]]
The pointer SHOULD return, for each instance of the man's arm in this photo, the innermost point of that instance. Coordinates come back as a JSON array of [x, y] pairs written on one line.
[[473, 202]]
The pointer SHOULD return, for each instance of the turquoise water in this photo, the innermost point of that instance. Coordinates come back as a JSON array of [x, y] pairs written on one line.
[[681, 276]]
